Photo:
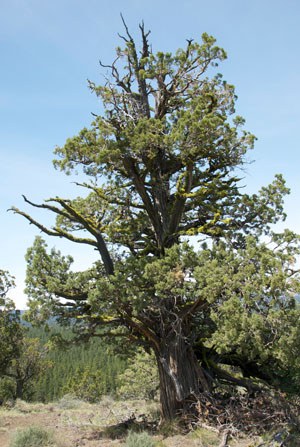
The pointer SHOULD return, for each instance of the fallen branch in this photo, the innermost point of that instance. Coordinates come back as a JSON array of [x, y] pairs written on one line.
[[224, 439]]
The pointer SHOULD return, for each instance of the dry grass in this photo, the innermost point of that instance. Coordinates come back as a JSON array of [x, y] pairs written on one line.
[[77, 424], [33, 437]]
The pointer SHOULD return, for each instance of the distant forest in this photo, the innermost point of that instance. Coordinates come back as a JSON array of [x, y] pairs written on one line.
[[89, 369]]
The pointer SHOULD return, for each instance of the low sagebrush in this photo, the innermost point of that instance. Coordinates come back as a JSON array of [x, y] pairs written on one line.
[[139, 440], [33, 437]]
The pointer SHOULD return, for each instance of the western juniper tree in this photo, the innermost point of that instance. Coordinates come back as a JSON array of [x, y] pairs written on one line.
[[165, 160]]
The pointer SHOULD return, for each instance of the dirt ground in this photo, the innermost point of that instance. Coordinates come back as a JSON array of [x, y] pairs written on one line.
[[78, 424]]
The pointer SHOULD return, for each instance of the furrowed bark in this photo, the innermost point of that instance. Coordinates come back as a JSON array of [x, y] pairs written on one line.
[[181, 377]]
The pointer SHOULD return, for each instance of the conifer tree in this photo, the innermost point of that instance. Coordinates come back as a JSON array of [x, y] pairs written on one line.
[[10, 329], [164, 162], [21, 358]]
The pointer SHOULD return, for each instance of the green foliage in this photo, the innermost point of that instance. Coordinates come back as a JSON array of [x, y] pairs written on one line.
[[29, 365], [11, 330], [258, 304], [140, 379], [6, 283], [86, 385], [7, 389], [139, 440], [163, 164], [21, 358], [68, 366], [33, 437]]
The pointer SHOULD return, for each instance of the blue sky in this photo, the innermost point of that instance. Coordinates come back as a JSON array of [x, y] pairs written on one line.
[[50, 48]]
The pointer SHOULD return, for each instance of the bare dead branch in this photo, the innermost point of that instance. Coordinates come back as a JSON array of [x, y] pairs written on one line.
[[126, 29]]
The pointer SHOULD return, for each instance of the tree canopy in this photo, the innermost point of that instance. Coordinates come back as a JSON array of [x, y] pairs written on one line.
[[165, 161], [21, 358]]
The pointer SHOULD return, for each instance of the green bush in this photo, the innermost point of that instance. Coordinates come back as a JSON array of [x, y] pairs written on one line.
[[86, 384], [139, 440], [140, 379], [7, 389], [33, 437]]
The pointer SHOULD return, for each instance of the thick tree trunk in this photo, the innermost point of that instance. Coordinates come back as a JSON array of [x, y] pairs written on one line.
[[19, 389], [181, 377]]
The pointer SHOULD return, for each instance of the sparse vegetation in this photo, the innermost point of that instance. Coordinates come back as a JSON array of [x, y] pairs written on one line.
[[69, 402], [206, 437], [33, 437], [139, 440], [109, 423]]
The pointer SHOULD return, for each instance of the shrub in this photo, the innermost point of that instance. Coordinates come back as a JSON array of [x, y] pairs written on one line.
[[139, 440], [86, 384], [69, 402], [206, 437], [33, 437], [28, 407], [23, 406], [7, 389], [140, 379]]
